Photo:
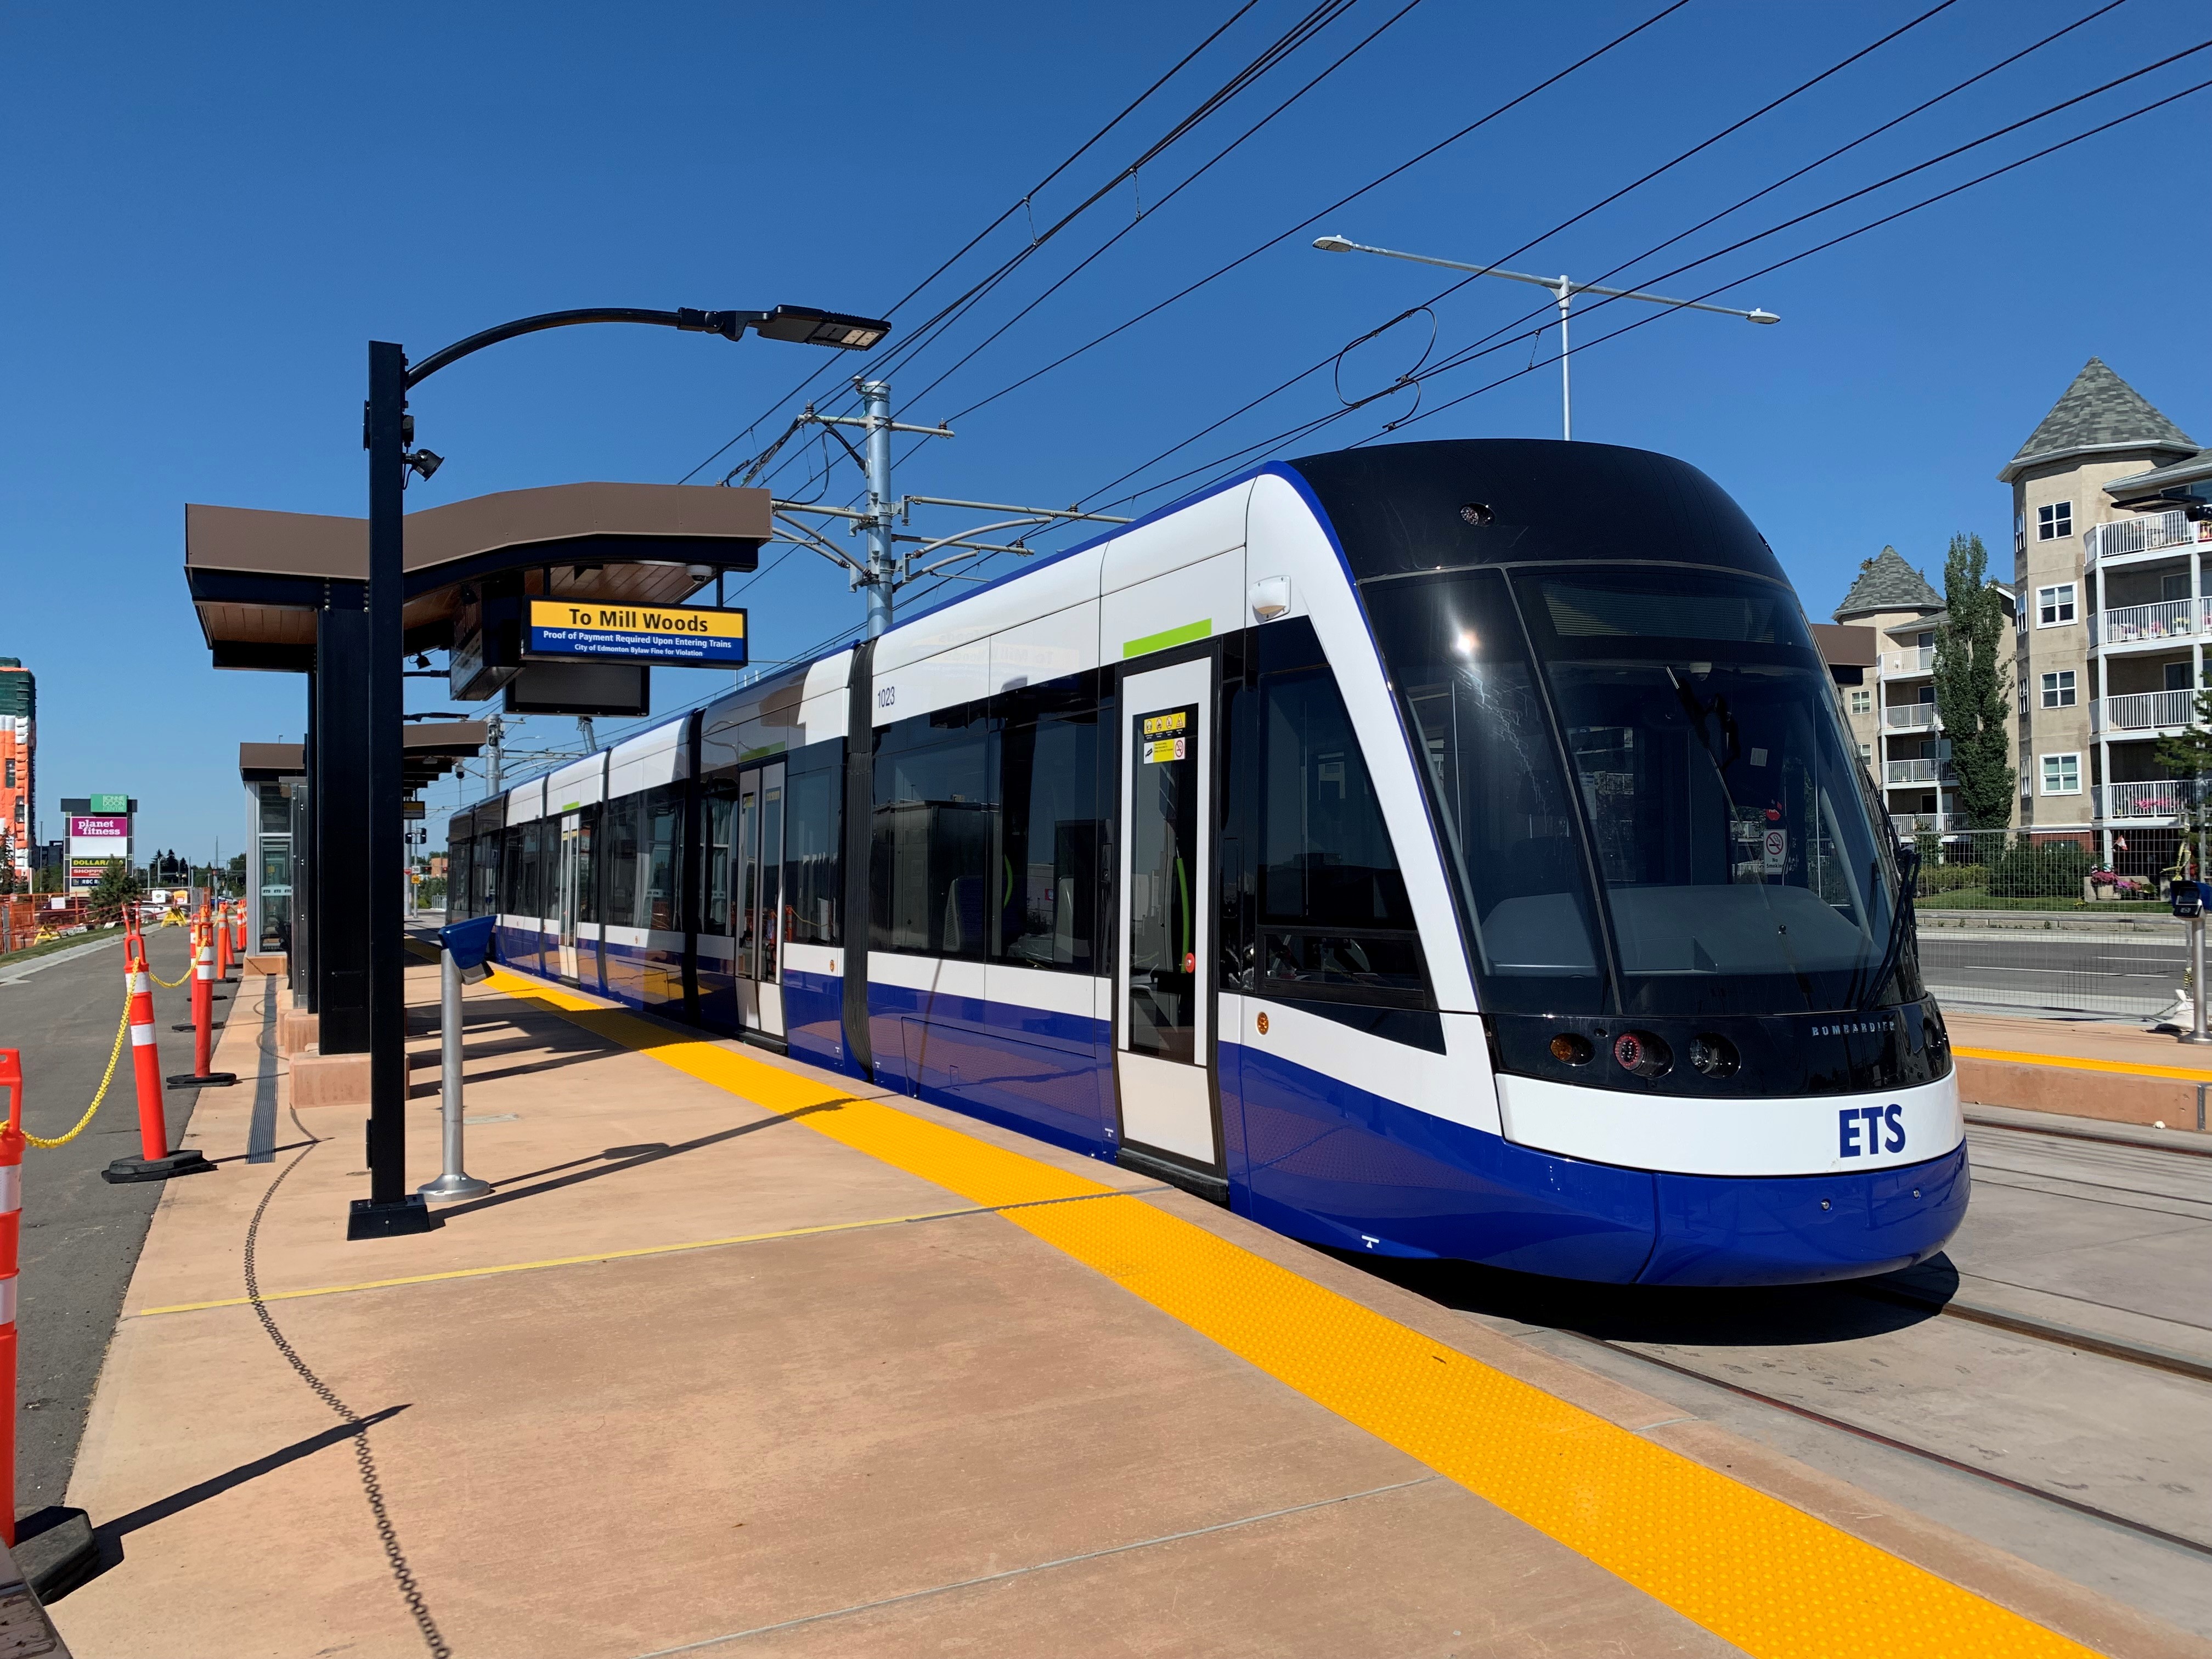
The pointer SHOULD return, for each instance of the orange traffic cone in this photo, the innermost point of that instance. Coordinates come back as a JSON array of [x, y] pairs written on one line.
[[156, 1161]]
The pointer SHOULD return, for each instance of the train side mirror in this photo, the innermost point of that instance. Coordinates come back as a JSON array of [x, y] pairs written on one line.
[[2188, 897]]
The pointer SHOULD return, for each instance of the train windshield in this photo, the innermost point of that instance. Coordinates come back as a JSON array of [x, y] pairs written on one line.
[[1640, 777]]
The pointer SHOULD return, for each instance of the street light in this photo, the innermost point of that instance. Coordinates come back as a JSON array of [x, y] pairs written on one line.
[[1563, 290], [390, 1208]]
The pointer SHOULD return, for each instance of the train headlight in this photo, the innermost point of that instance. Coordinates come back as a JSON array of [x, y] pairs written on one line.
[[1570, 1048], [1642, 1053], [1715, 1056]]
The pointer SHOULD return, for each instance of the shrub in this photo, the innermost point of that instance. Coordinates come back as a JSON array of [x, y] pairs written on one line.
[[2053, 870]]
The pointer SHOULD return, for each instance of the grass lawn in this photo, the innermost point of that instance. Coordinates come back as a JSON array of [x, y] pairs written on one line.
[[30, 953]]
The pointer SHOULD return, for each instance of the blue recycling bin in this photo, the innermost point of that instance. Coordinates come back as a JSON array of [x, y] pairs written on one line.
[[469, 942]]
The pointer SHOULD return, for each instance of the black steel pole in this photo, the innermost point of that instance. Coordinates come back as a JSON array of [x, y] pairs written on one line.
[[390, 1208]]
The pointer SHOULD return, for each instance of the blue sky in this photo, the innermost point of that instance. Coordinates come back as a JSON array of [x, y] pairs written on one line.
[[211, 212]]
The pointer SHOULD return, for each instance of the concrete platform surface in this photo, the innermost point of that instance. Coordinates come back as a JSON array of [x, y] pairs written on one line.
[[738, 1359], [2112, 1072]]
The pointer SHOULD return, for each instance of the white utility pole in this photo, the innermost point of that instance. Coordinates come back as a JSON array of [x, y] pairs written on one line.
[[1564, 289]]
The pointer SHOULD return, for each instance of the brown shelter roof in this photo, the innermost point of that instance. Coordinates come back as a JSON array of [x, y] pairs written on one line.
[[257, 577], [431, 752]]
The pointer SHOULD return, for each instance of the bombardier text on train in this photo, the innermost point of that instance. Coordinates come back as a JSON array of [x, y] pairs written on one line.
[[1381, 843]]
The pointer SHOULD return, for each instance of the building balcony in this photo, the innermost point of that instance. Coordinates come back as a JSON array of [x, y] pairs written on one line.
[[2150, 624], [1900, 663], [1926, 824], [2143, 711], [2159, 799], [2148, 532], [1910, 717], [1899, 772]]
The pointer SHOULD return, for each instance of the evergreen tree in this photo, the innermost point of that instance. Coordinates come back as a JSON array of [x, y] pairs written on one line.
[[118, 886], [1970, 669]]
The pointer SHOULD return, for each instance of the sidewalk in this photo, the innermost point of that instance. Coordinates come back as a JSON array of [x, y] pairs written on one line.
[[2085, 1068], [798, 1372]]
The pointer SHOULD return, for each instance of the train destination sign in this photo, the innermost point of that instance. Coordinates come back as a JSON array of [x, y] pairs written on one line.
[[686, 636]]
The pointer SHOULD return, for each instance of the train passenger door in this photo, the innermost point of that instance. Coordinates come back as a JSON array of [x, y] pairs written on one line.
[[1164, 967], [568, 889], [757, 900]]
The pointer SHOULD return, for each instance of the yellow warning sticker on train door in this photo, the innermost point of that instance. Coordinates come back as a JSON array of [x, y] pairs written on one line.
[[1159, 725], [1165, 749]]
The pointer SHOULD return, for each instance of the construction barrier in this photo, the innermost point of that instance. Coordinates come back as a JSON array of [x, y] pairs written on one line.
[[222, 944], [203, 1074], [156, 1161]]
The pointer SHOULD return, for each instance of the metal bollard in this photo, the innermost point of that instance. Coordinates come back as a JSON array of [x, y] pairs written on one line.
[[455, 1182], [2197, 1032]]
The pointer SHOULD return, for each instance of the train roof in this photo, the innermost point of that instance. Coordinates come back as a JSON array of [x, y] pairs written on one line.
[[1401, 508]]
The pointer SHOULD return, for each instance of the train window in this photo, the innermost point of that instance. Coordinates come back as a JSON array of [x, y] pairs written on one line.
[[620, 827], [587, 887], [721, 806], [487, 873], [662, 842], [931, 844], [457, 878], [1460, 667], [528, 886], [1335, 922], [813, 816], [1741, 871], [1048, 863]]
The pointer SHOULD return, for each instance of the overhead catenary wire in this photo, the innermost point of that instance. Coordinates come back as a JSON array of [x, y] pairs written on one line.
[[902, 346], [1513, 330], [1307, 429], [1443, 143]]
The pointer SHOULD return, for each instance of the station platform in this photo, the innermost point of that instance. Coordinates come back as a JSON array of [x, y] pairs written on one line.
[[737, 1358], [2103, 1069]]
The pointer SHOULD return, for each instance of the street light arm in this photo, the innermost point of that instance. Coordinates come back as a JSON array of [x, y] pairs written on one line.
[[729, 324]]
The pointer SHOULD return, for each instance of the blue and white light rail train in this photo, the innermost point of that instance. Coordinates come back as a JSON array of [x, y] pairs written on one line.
[[1443, 849]]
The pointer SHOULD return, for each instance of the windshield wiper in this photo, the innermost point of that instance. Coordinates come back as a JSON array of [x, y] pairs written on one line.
[[1908, 885]]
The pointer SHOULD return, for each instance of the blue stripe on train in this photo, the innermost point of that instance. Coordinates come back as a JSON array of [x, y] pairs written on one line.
[[1318, 1158], [1329, 1161]]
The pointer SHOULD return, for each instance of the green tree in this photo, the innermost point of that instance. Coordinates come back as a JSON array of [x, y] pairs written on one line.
[[118, 886], [1971, 670], [2188, 755]]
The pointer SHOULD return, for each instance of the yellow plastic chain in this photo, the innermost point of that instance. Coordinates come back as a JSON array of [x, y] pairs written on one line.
[[172, 984], [121, 1027]]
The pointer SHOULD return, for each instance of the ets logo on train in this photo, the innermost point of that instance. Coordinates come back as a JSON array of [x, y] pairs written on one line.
[[1861, 1131]]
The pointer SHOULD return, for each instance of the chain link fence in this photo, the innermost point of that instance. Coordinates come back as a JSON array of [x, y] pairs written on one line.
[[2042, 924]]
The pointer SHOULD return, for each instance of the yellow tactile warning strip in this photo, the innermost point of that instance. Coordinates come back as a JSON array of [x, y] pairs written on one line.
[[2069, 1063], [1751, 1569]]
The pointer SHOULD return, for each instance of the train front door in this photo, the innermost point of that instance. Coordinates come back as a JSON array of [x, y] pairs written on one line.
[[758, 900], [1164, 972], [569, 888]]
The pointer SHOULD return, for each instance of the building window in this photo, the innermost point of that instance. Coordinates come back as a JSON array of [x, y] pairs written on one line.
[[2055, 521], [2054, 606], [2023, 701], [1866, 752], [2062, 775], [2058, 690], [1861, 703], [2177, 677], [11, 772]]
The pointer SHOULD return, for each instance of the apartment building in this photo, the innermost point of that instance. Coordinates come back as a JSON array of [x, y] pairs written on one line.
[[2110, 533], [1892, 713], [19, 758]]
